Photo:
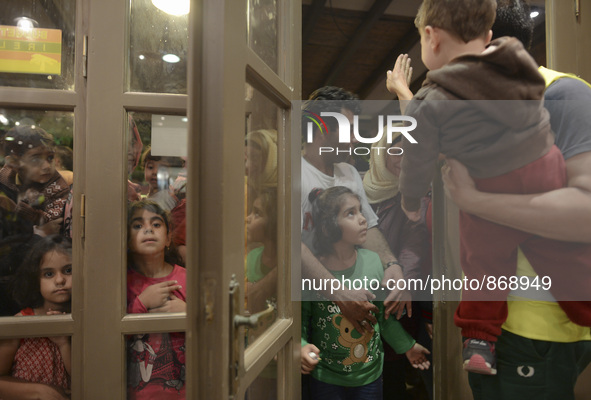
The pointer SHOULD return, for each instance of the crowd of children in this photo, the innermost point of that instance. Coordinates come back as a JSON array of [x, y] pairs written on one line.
[[36, 266]]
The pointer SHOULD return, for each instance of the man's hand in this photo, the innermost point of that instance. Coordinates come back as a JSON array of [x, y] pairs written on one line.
[[397, 300], [458, 184], [355, 306]]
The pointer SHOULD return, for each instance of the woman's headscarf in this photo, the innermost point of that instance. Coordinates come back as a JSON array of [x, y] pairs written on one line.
[[266, 139]]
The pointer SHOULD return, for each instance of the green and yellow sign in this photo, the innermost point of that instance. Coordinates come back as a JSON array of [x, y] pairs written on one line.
[[30, 51]]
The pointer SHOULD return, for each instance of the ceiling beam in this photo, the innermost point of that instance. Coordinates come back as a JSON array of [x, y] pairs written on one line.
[[373, 15], [312, 17], [404, 45]]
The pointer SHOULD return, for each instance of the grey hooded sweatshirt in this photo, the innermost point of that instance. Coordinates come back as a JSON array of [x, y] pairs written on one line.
[[484, 110]]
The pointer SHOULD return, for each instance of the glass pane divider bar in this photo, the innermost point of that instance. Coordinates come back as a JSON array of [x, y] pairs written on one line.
[[36, 326], [266, 80], [155, 102], [47, 99], [142, 323], [272, 341]]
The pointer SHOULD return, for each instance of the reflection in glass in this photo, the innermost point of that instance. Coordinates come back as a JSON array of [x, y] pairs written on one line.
[[264, 387], [158, 43], [261, 210], [156, 283], [262, 30], [37, 44], [156, 365], [156, 160], [35, 198]]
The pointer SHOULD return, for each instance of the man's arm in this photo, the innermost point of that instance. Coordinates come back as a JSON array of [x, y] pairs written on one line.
[[354, 304], [561, 214], [397, 300]]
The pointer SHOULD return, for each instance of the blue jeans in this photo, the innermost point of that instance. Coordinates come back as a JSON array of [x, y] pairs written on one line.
[[322, 391]]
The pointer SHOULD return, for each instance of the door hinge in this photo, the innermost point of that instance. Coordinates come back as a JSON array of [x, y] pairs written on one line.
[[85, 56]]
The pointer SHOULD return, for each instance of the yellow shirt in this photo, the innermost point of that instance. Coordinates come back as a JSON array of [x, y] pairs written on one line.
[[540, 320]]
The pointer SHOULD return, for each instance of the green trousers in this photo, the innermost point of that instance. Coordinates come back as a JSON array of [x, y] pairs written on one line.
[[532, 369]]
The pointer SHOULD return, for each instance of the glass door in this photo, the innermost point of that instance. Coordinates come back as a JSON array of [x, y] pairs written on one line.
[[201, 129], [42, 145], [245, 73], [136, 157]]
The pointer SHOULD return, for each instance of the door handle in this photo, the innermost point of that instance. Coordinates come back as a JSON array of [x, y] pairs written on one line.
[[236, 362], [255, 320]]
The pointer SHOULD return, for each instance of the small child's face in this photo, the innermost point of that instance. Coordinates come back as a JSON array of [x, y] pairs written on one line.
[[148, 234], [36, 165], [56, 279], [151, 173], [352, 222], [256, 223]]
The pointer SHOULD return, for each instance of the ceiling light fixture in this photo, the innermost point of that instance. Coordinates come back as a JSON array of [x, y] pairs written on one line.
[[173, 7], [171, 58], [26, 23]]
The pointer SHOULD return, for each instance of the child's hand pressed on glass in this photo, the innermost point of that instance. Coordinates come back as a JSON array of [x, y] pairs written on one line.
[[309, 362], [158, 294], [417, 355], [398, 79]]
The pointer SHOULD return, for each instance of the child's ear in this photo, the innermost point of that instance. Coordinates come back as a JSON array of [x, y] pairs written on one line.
[[433, 37], [488, 37], [168, 239], [11, 161]]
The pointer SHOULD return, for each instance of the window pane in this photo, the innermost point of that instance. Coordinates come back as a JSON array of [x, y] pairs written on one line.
[[264, 387], [156, 365], [158, 43], [156, 214], [262, 30], [37, 44], [35, 202], [261, 209], [42, 360]]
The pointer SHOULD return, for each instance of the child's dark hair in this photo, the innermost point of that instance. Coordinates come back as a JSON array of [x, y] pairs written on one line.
[[513, 19], [171, 255], [20, 139], [66, 157], [329, 99], [326, 205], [26, 282]]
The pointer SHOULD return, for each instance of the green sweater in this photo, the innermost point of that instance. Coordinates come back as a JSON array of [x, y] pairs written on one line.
[[347, 357]]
